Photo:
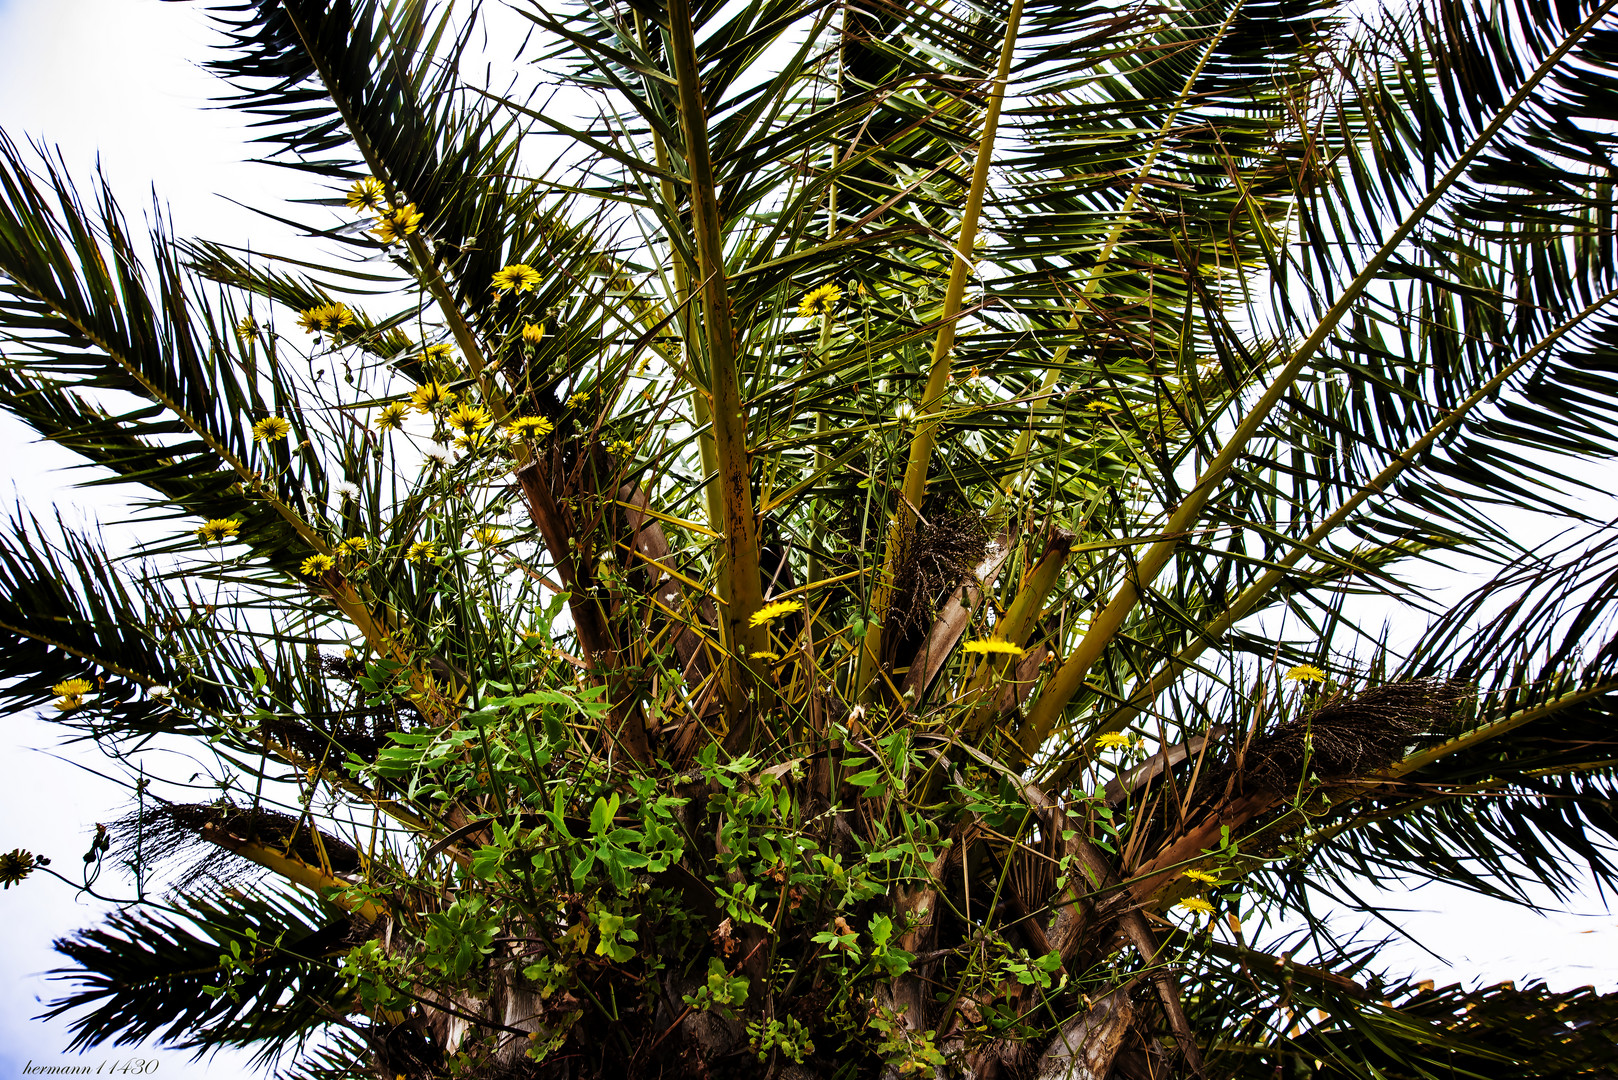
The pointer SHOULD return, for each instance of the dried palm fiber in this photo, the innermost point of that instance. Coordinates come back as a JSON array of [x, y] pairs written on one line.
[[1346, 737], [941, 553]]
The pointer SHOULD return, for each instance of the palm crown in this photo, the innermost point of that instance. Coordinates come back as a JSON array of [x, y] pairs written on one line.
[[769, 558]]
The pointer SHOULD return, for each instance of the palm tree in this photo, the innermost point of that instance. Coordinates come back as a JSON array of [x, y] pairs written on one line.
[[823, 539]]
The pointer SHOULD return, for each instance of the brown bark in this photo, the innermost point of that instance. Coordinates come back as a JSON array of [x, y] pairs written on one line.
[[1093, 873], [648, 540], [1014, 691], [1086, 1045], [1202, 836], [589, 621], [1122, 786]]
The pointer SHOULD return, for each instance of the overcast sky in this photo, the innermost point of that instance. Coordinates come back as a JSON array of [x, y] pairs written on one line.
[[116, 80]]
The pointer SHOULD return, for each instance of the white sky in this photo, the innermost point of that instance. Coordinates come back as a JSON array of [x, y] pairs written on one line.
[[117, 78]]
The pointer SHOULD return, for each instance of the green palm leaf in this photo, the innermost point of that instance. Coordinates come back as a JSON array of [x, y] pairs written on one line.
[[231, 970]]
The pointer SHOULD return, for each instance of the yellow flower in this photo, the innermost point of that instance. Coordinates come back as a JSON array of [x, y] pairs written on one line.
[[245, 329], [1305, 673], [1200, 875], [1101, 407], [771, 612], [468, 418], [68, 704], [529, 427], [991, 646], [764, 654], [17, 864], [820, 300], [431, 397], [354, 545], [397, 223], [488, 536], [72, 688], [1113, 740], [531, 334], [575, 400], [422, 551], [317, 564], [392, 416], [472, 441], [326, 318], [271, 428], [366, 194], [218, 530], [621, 447], [518, 277], [1196, 905], [442, 351]]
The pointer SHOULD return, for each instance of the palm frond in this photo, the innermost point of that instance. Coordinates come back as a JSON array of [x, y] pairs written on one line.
[[229, 970], [79, 304], [66, 613]]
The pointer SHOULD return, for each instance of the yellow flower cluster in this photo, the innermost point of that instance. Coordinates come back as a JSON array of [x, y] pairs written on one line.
[[529, 427], [271, 428], [820, 300], [517, 277], [770, 612], [468, 418], [396, 223], [431, 397], [70, 694], [367, 194], [392, 416], [326, 318], [317, 564], [17, 864], [218, 530]]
